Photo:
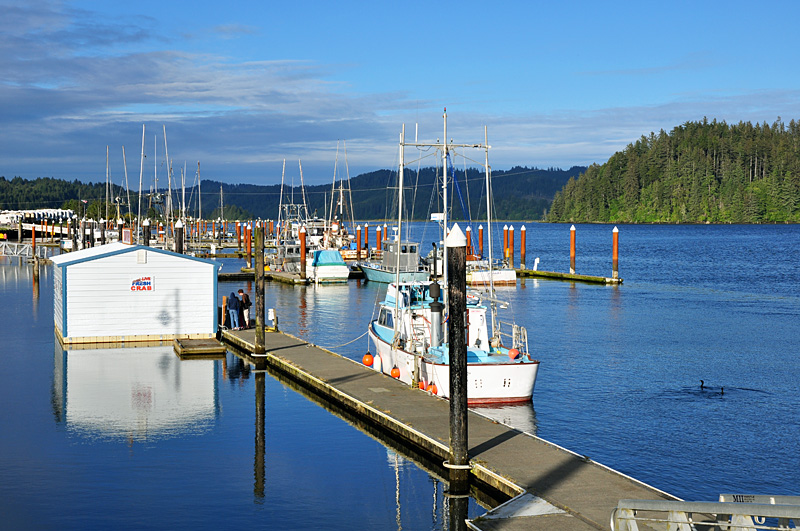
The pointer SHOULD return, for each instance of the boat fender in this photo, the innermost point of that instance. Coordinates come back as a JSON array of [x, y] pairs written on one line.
[[367, 359], [395, 372], [432, 388], [377, 363], [513, 354]]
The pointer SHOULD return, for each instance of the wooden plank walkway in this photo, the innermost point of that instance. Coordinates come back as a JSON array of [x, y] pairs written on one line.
[[563, 490]]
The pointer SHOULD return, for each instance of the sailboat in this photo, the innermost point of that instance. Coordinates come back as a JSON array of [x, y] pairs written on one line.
[[409, 334], [324, 266]]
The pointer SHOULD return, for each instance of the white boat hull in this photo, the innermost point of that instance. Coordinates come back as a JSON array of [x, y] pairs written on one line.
[[487, 383]]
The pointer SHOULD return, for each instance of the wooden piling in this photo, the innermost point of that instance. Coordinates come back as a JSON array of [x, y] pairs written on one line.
[[179, 237], [457, 297], [146, 232], [480, 240], [358, 242], [249, 239], [378, 239], [366, 238], [303, 253], [260, 320], [469, 241], [511, 245], [505, 240], [385, 233], [615, 253], [522, 250], [572, 250]]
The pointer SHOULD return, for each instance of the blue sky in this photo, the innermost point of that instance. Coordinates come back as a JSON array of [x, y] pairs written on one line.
[[242, 86]]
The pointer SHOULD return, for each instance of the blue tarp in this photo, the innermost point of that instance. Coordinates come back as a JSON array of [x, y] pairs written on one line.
[[326, 258]]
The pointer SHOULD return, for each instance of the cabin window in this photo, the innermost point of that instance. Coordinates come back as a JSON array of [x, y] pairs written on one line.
[[413, 248], [385, 318], [404, 249]]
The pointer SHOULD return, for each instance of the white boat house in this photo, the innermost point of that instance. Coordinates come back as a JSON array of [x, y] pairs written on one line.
[[120, 293]]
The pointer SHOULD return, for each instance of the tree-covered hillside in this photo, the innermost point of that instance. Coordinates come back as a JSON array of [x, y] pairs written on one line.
[[519, 194], [699, 172]]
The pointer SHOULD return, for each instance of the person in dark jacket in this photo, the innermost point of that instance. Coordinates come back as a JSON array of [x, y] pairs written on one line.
[[244, 306], [233, 311]]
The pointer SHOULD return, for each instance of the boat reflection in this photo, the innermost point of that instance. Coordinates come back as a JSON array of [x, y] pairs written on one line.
[[518, 416], [133, 394]]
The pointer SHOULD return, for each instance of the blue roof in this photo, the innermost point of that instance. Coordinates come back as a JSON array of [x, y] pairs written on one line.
[[327, 257]]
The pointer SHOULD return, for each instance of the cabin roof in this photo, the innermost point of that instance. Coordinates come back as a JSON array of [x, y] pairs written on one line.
[[112, 249]]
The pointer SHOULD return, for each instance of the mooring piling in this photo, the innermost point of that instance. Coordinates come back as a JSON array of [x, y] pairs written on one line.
[[615, 253], [260, 343], [522, 247], [457, 295], [303, 252], [572, 250]]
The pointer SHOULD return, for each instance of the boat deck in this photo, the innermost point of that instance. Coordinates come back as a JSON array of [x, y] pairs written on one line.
[[557, 489]]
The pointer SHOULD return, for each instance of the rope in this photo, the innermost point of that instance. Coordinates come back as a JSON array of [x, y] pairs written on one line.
[[345, 344]]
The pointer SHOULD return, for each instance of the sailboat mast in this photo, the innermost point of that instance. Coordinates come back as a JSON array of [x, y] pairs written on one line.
[[141, 171], [106, 182], [199, 194], [400, 207]]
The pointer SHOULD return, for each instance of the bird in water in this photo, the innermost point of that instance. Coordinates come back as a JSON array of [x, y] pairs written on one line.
[[703, 387]]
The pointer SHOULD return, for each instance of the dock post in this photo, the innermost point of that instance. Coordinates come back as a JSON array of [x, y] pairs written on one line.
[[249, 239], [615, 253], [505, 240], [511, 245], [73, 223], [146, 232], [179, 237], [358, 242], [469, 240], [33, 240], [271, 229], [303, 252], [386, 233], [522, 247], [239, 235], [378, 237], [457, 295], [19, 231], [572, 250], [260, 343], [366, 239], [480, 240]]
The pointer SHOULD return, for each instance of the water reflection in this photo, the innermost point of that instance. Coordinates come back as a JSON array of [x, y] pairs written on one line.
[[519, 416], [133, 394]]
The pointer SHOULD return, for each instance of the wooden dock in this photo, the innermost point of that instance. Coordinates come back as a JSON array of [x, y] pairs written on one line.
[[203, 348], [530, 273], [271, 276], [551, 488]]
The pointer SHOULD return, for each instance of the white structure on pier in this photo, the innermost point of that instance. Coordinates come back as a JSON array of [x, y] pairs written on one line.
[[120, 293]]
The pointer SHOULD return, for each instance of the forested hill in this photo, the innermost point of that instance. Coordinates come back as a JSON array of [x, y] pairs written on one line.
[[699, 172], [520, 193]]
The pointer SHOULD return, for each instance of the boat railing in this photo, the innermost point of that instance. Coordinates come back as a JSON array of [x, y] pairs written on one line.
[[710, 516], [518, 335]]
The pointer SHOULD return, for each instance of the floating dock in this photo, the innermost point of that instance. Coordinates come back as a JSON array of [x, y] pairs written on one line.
[[198, 348], [571, 277], [551, 488]]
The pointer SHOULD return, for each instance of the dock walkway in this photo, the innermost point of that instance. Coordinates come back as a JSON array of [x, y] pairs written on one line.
[[579, 493]]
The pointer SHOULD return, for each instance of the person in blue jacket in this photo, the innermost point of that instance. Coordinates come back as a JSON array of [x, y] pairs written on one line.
[[233, 311]]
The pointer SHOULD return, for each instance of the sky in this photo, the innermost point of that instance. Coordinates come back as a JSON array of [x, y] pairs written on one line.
[[243, 86]]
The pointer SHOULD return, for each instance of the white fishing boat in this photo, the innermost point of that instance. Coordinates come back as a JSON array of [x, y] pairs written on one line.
[[410, 333]]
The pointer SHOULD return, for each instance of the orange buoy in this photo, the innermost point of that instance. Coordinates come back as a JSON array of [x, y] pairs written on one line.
[[367, 359], [422, 385], [513, 353], [432, 388], [395, 372]]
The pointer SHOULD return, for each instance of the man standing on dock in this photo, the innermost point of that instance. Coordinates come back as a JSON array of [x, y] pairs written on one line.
[[245, 305]]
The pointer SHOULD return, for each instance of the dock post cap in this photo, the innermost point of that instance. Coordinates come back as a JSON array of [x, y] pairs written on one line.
[[179, 224], [456, 238], [572, 227], [615, 229], [522, 228], [146, 222]]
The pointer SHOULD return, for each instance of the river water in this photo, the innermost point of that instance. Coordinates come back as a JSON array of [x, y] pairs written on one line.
[[139, 439]]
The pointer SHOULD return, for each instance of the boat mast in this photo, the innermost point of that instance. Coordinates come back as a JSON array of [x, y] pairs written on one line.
[[444, 202], [489, 222], [199, 191], [141, 171], [106, 182], [399, 233]]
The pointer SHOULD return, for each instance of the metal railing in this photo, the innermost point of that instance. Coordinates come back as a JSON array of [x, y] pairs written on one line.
[[703, 516], [21, 249]]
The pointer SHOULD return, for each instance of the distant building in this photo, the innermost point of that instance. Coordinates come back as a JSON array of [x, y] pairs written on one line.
[[119, 293]]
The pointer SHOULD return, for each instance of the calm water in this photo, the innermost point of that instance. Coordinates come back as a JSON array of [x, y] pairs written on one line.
[[96, 438]]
